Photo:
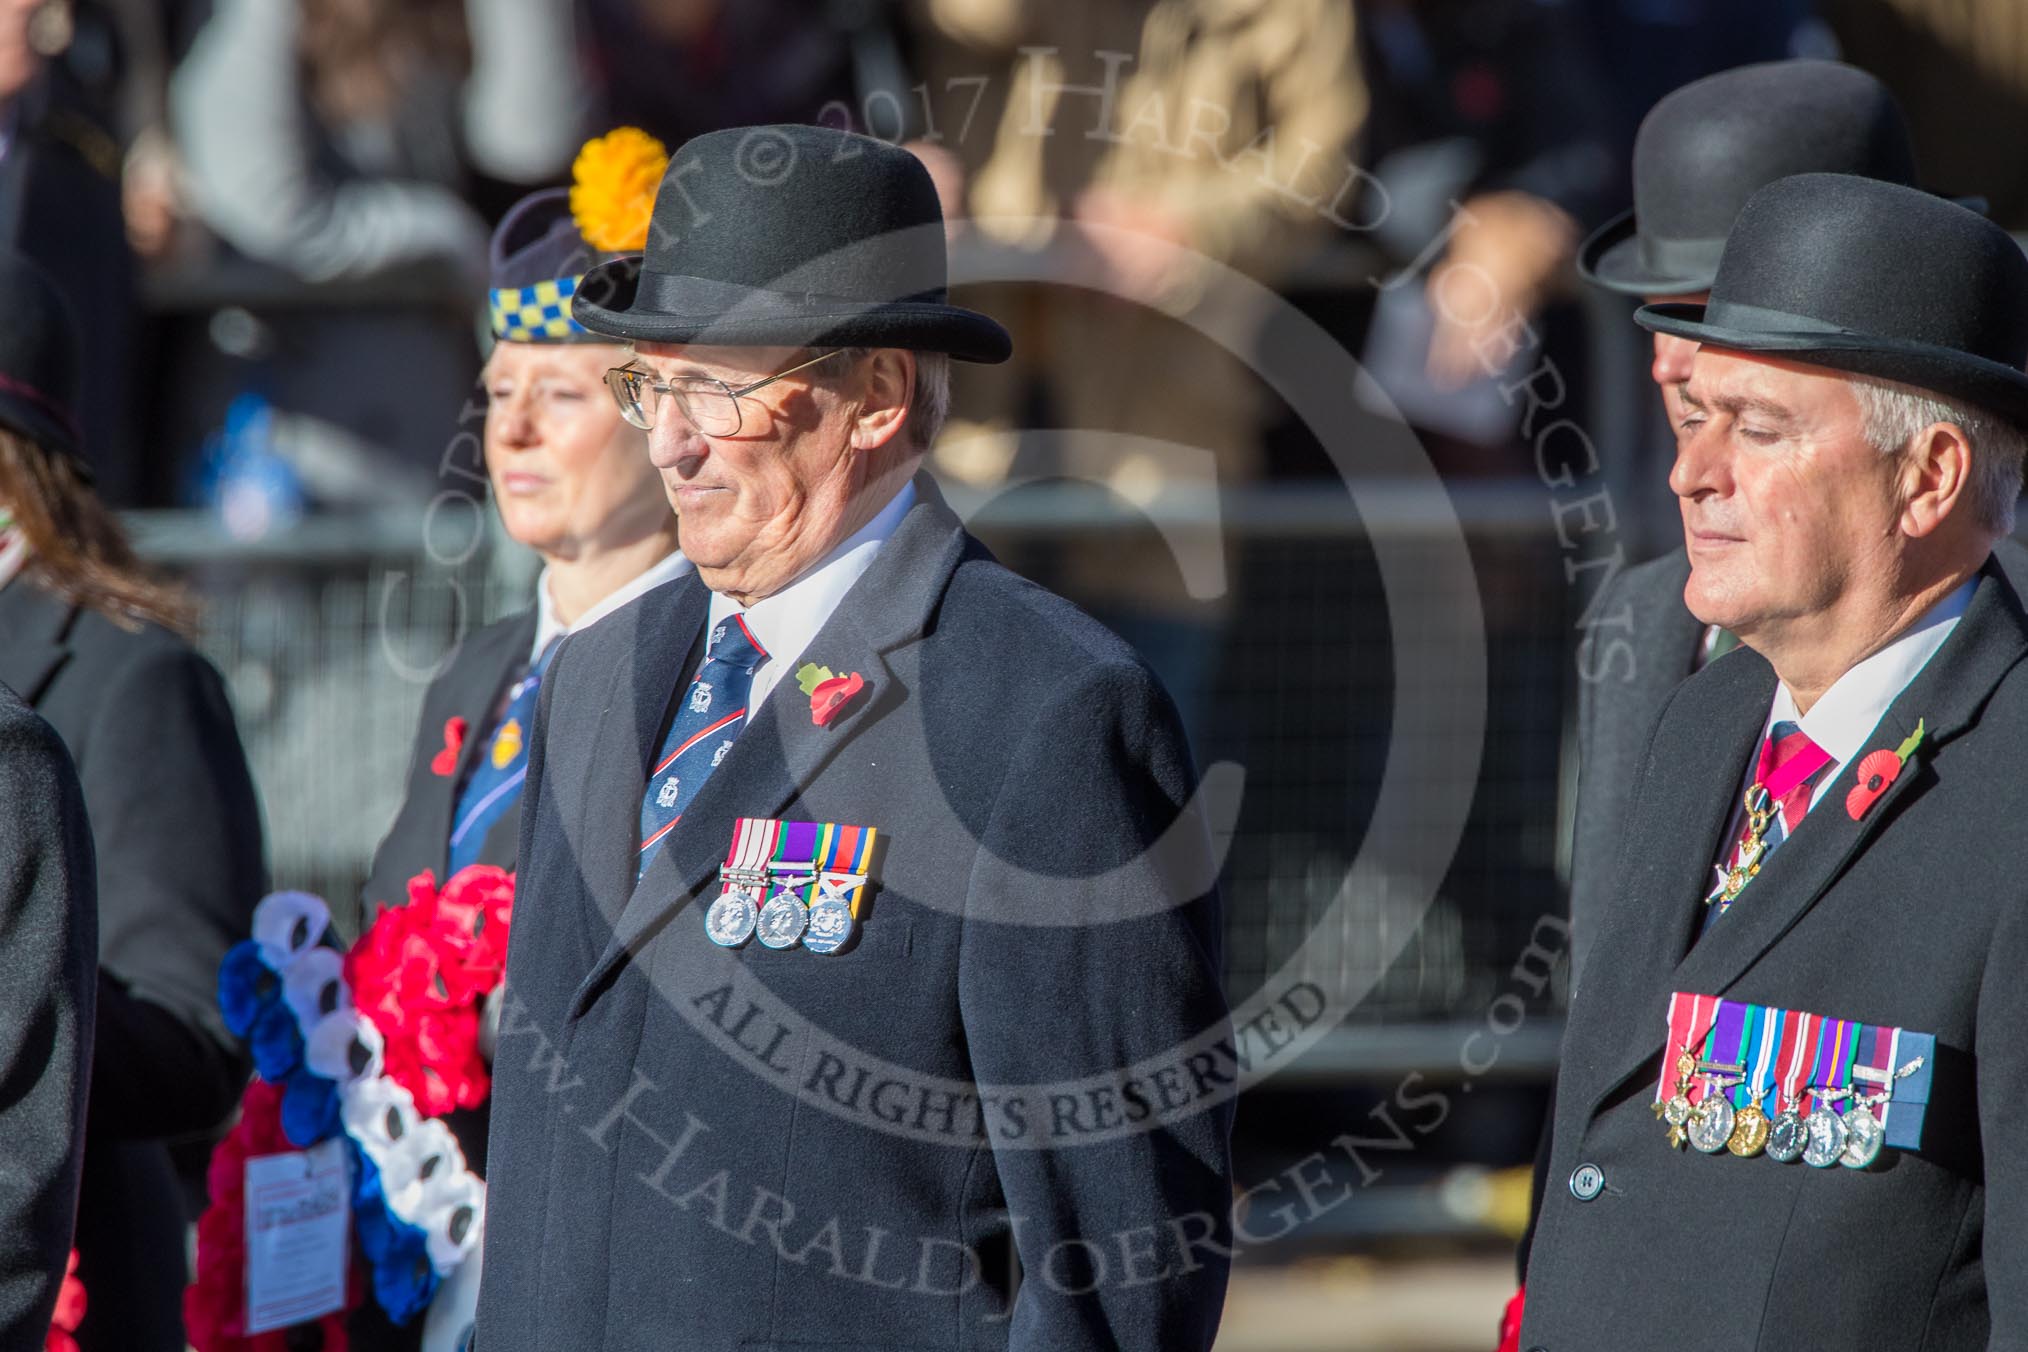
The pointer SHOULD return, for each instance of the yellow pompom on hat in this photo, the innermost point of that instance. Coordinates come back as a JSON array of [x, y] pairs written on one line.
[[613, 183], [550, 239]]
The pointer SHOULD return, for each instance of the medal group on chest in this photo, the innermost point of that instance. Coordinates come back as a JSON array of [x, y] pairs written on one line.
[[1750, 1080], [791, 882]]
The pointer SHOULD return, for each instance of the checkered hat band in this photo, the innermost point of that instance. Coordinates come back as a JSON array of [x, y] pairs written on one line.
[[535, 314]]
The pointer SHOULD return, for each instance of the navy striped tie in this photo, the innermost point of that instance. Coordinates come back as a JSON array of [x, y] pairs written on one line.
[[713, 712]]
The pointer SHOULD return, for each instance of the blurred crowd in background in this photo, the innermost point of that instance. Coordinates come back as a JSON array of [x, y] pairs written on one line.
[[272, 219], [283, 204]]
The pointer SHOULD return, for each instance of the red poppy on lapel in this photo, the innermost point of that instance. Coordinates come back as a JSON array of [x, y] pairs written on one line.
[[1876, 772], [1879, 770], [445, 762], [832, 695]]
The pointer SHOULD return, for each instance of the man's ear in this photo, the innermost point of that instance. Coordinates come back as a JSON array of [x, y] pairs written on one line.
[[1936, 477], [886, 391]]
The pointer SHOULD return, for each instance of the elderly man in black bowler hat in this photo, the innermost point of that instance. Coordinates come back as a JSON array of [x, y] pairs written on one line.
[[872, 995], [1701, 153], [1789, 1108], [48, 977]]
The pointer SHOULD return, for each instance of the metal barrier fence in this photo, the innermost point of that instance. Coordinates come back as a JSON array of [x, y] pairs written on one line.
[[328, 635]]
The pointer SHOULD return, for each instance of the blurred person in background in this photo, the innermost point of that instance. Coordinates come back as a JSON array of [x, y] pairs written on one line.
[[333, 138], [60, 205], [1182, 132], [1488, 152], [336, 147], [681, 67], [48, 966], [97, 647], [573, 482]]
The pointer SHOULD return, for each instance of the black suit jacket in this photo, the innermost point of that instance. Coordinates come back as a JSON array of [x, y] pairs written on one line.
[[710, 1149], [180, 867], [48, 964], [469, 687], [1915, 915]]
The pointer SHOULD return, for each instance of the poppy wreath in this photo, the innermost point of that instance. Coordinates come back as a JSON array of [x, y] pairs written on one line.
[[371, 1047]]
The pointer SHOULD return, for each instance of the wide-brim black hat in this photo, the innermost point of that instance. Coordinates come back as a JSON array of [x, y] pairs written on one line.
[[39, 358], [1704, 149], [1873, 278], [791, 236]]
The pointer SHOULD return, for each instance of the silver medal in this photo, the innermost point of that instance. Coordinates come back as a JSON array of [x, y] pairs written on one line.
[[730, 921], [1676, 1112], [1863, 1138], [1826, 1138], [830, 925], [781, 922], [1787, 1137], [1711, 1124]]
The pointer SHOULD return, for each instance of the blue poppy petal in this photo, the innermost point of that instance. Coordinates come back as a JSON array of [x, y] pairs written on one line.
[[246, 984], [309, 1108], [276, 1043]]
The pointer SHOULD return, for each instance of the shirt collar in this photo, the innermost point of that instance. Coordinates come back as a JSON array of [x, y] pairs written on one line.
[[549, 628], [785, 623], [1845, 715]]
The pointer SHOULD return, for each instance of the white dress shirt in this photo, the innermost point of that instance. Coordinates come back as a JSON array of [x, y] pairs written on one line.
[[548, 626], [1844, 717], [785, 623]]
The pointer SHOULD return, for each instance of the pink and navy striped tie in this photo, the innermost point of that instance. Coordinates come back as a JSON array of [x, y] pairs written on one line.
[[714, 710], [1788, 769]]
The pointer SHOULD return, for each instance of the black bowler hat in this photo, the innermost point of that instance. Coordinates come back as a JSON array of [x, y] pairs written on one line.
[[39, 358], [1707, 147], [1872, 278], [791, 236]]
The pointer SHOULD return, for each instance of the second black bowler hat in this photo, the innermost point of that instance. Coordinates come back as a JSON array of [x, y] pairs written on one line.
[[790, 236], [1872, 278], [1707, 147]]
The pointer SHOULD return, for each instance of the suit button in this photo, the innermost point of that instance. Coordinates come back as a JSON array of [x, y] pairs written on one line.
[[1586, 1182]]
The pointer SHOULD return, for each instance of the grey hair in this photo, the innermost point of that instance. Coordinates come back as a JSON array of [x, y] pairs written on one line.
[[930, 400], [1895, 414]]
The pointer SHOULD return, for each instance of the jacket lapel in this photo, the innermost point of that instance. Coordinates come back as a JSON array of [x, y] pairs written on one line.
[[782, 751], [36, 629], [1945, 697], [1683, 802]]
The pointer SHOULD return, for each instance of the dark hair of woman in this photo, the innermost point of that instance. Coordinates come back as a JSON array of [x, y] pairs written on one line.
[[76, 549]]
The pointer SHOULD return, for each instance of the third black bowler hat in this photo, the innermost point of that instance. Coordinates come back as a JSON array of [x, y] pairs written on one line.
[[1707, 147]]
